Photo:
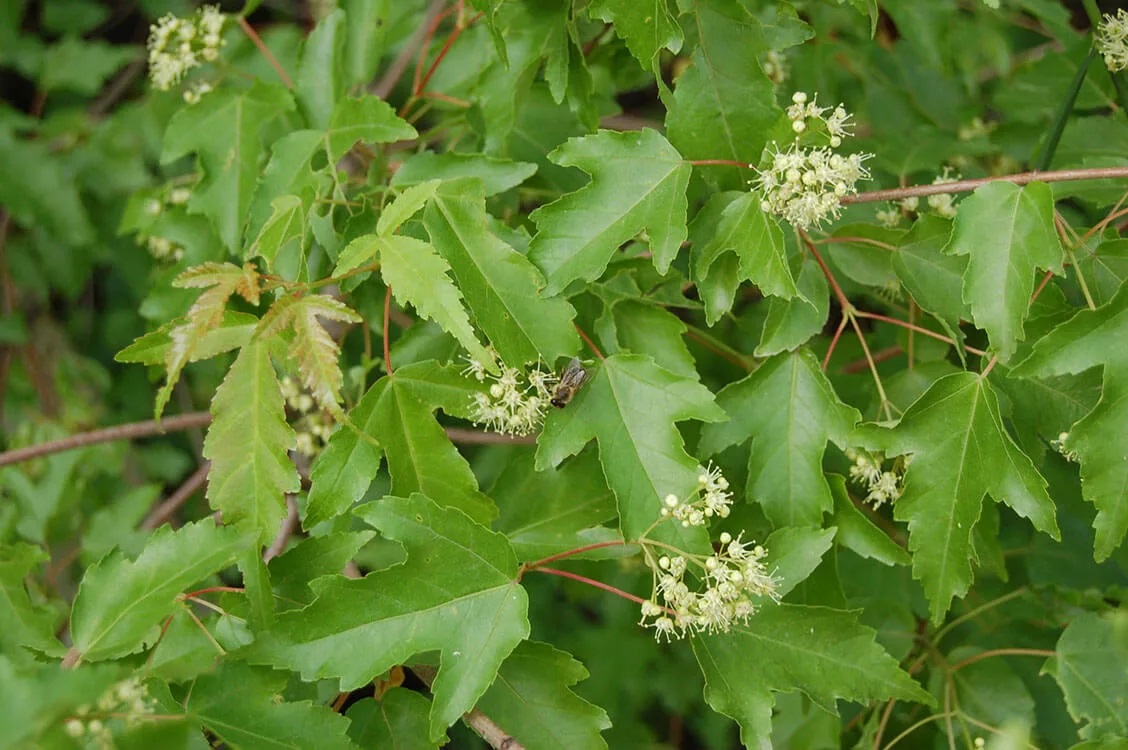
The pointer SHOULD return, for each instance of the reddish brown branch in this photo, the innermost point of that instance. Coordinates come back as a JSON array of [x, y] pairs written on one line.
[[966, 186], [166, 509]]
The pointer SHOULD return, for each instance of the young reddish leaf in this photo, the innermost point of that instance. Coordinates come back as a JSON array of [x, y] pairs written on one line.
[[789, 410], [234, 331], [1091, 667], [502, 288], [960, 452], [244, 707], [539, 675], [120, 602], [646, 27], [223, 130], [822, 652], [455, 594], [630, 405], [638, 182], [1094, 338], [220, 281], [247, 444], [1008, 232], [313, 348]]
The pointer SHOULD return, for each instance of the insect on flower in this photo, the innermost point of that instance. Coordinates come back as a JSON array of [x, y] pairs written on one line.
[[571, 379]]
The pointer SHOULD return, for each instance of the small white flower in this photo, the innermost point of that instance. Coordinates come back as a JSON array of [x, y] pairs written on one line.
[[1112, 40]]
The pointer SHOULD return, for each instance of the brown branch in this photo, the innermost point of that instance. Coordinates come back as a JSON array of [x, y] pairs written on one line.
[[474, 437], [486, 727], [965, 186], [164, 511], [107, 435], [289, 526]]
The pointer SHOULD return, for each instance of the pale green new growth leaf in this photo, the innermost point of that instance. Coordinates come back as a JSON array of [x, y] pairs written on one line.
[[285, 224], [406, 205], [244, 707], [223, 129], [247, 444], [531, 699], [455, 594], [313, 348], [368, 119], [960, 451], [234, 331], [823, 652], [220, 281], [630, 406], [1008, 232], [120, 602], [789, 410], [645, 25], [742, 228], [418, 276], [638, 182], [501, 286], [1089, 339], [1091, 666]]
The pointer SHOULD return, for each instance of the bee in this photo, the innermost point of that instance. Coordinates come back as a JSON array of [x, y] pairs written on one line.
[[571, 379]]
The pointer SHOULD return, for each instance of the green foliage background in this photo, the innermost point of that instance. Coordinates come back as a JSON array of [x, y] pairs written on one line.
[[375, 192]]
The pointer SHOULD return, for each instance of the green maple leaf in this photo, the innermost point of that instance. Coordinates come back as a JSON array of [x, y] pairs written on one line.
[[629, 406], [241, 705], [456, 594], [120, 602], [645, 25], [232, 332], [22, 622], [367, 119], [960, 452], [935, 280], [224, 131], [1008, 232], [735, 223], [531, 699], [289, 172], [638, 183], [38, 698], [1094, 338], [497, 175], [247, 444], [789, 410], [286, 223], [501, 286], [1091, 666], [317, 83], [822, 652], [397, 413], [724, 105], [398, 719]]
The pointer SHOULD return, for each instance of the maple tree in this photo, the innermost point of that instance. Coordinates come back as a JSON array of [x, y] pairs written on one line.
[[571, 374]]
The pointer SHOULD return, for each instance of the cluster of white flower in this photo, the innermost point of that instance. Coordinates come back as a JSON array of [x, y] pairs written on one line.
[[515, 403], [129, 698], [734, 579], [882, 485], [312, 424], [1112, 40], [176, 45], [805, 184], [161, 248], [940, 204], [711, 499], [775, 66]]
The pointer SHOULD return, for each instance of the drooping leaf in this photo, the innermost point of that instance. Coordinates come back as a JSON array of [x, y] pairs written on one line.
[[1091, 667], [501, 286], [646, 27], [220, 281], [789, 411], [247, 444], [1008, 232], [638, 183], [1095, 338], [313, 348], [23, 623], [121, 602], [531, 699], [723, 105], [960, 452], [858, 533], [398, 412], [456, 594], [241, 705], [630, 406], [822, 652], [224, 131]]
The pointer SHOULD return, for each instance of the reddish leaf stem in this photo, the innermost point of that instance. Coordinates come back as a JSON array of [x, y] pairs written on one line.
[[834, 342], [443, 52], [719, 163], [270, 58], [569, 553], [918, 329], [592, 582], [211, 590], [387, 317], [590, 343], [965, 186], [838, 293]]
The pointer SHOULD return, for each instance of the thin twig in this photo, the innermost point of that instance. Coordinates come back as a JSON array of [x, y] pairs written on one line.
[[395, 71], [266, 53], [965, 186], [486, 727], [289, 526], [474, 437], [107, 435], [166, 509]]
